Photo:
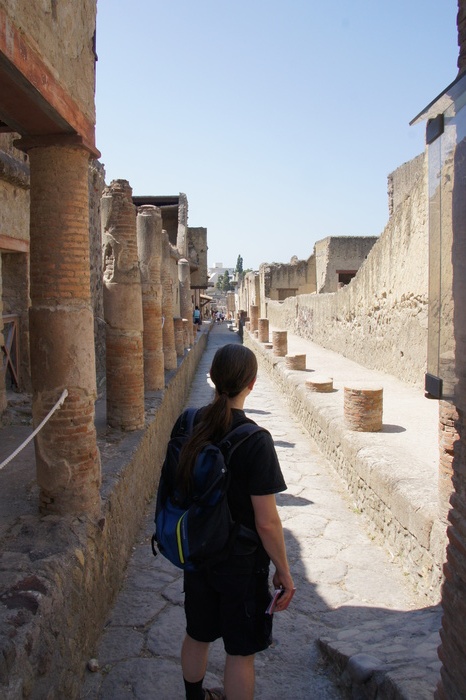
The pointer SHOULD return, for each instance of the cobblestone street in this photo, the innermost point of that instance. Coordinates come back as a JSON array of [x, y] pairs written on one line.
[[345, 584]]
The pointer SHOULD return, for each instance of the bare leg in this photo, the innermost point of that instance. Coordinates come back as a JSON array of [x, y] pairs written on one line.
[[239, 677], [194, 659]]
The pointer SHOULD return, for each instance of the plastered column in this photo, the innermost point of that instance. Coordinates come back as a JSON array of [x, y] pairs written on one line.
[[169, 350], [62, 331], [122, 309], [186, 307], [149, 237]]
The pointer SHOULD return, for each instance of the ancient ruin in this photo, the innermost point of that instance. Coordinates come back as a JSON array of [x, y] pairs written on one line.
[[83, 307]]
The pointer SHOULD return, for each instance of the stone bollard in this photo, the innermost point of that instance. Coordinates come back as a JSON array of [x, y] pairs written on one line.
[[254, 317], [256, 334], [322, 385], [363, 406], [179, 336], [263, 327], [295, 362], [268, 346], [280, 343], [248, 325]]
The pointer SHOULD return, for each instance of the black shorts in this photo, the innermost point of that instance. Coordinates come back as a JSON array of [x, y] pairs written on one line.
[[230, 602]]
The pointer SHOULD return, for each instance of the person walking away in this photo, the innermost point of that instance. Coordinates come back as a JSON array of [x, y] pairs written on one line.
[[197, 317], [229, 598]]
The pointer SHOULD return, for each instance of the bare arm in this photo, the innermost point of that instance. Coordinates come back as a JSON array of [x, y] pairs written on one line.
[[269, 529]]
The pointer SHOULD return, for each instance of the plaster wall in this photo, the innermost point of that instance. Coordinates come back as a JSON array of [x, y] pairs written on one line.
[[62, 34], [380, 318]]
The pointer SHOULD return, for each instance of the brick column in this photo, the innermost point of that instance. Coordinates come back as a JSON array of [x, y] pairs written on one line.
[[62, 330], [149, 235], [254, 317], [122, 309], [186, 307], [263, 328], [169, 350]]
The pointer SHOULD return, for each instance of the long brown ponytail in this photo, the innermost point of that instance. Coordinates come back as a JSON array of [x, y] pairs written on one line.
[[233, 368]]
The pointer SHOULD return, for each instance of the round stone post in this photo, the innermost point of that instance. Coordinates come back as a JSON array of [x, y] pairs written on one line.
[[168, 331], [295, 362], [263, 328], [253, 318], [122, 308], [149, 237], [61, 327], [279, 343], [363, 408], [186, 307]]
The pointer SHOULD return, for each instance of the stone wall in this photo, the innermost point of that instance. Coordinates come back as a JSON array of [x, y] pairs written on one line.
[[14, 248], [72, 569], [338, 253], [281, 280], [14, 191], [380, 318], [401, 181], [197, 256]]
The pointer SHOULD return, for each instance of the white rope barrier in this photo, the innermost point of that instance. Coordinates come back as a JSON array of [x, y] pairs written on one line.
[[58, 405]]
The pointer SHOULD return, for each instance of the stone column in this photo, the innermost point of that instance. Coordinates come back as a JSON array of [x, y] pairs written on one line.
[[179, 336], [186, 307], [169, 350], [149, 236], [263, 328], [122, 309], [62, 330], [254, 318]]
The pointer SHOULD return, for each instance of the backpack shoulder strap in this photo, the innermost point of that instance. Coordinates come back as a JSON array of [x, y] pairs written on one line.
[[237, 436], [187, 421]]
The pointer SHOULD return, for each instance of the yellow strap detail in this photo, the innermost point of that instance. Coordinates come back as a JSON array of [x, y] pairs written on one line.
[[178, 539]]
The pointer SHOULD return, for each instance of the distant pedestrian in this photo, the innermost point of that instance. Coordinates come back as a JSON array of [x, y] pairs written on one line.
[[197, 316], [230, 598]]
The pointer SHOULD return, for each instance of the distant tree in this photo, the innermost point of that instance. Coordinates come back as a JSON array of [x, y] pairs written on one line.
[[224, 282], [239, 265]]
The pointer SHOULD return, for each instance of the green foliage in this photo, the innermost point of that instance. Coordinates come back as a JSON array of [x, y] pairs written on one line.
[[239, 265], [224, 282]]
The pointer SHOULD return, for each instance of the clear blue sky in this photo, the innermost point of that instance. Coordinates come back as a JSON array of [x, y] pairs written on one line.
[[279, 119]]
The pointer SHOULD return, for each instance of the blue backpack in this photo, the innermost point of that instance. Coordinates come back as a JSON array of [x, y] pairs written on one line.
[[197, 532]]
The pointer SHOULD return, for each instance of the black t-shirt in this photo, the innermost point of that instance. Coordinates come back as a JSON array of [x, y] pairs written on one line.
[[254, 469]]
